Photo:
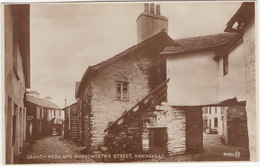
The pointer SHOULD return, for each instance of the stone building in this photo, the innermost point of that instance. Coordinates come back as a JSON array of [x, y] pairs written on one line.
[[110, 88], [42, 112], [213, 119], [219, 71], [244, 18], [149, 98], [72, 122], [16, 51]]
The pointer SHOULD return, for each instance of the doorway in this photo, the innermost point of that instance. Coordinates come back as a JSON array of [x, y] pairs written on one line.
[[158, 140]]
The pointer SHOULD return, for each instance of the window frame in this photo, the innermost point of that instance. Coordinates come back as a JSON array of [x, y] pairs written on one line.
[[41, 113], [215, 122], [225, 64], [121, 83]]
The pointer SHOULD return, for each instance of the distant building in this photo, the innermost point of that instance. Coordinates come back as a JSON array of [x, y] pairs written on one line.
[[16, 51], [213, 119], [42, 113], [72, 122]]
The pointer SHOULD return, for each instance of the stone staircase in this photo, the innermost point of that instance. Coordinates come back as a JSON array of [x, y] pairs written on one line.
[[127, 129], [74, 127]]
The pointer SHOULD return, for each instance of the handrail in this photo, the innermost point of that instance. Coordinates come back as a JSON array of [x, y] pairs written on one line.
[[146, 97]]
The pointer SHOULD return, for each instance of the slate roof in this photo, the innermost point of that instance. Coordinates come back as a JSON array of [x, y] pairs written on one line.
[[41, 102], [198, 43], [91, 69]]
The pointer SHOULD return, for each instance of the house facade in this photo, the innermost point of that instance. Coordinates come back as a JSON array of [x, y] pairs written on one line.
[[150, 98], [213, 119], [42, 112], [17, 78], [219, 71], [113, 87]]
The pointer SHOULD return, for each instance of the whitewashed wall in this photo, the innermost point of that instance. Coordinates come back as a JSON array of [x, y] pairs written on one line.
[[193, 79], [175, 121], [233, 84]]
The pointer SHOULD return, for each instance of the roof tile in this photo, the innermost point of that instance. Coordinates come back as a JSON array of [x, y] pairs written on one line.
[[198, 43], [41, 102]]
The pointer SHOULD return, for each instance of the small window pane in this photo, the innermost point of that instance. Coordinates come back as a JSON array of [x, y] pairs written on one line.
[[122, 92]]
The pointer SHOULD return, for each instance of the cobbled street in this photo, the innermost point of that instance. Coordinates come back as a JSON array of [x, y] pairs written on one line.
[[55, 149]]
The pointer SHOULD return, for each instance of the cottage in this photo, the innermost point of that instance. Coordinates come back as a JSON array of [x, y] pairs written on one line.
[[17, 78], [43, 113], [110, 88], [219, 71], [150, 97]]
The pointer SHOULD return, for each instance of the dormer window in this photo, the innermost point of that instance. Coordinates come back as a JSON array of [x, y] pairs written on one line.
[[122, 91], [225, 65]]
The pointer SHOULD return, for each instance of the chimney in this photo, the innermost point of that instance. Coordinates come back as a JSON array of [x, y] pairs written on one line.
[[152, 8], [158, 10], [150, 22], [146, 7], [32, 93], [48, 98]]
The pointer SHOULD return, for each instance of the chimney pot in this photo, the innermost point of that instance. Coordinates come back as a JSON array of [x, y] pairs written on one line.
[[152, 8], [146, 7], [158, 10]]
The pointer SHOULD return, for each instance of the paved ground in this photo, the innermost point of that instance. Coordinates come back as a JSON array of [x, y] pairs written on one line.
[[215, 150], [55, 149]]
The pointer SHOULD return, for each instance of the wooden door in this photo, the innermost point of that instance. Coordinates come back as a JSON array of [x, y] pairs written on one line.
[[158, 140]]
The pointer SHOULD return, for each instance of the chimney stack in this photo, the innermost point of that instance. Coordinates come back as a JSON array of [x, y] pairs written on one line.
[[152, 8], [150, 22], [48, 98], [32, 93], [158, 10], [146, 7]]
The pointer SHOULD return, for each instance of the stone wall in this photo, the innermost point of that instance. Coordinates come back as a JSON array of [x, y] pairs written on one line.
[[128, 140], [237, 126], [143, 70], [194, 129], [249, 51], [174, 120], [86, 125]]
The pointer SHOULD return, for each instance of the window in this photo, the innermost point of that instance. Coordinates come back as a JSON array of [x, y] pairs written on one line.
[[122, 91], [225, 65], [206, 110], [209, 110], [209, 123], [41, 113], [216, 110], [215, 122]]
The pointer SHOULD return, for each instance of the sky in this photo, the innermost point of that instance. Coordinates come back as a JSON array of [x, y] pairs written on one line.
[[67, 38]]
